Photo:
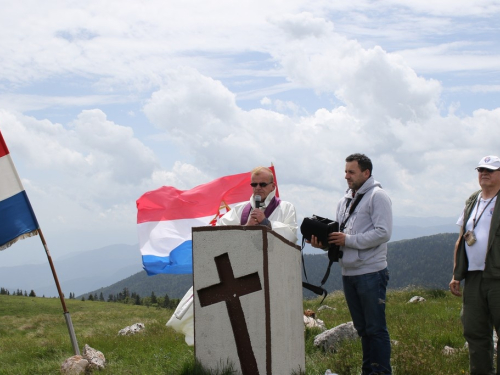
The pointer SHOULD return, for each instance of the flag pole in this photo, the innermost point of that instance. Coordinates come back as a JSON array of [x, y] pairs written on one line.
[[69, 323]]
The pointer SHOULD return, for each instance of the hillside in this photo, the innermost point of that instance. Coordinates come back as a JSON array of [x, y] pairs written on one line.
[[34, 337], [424, 262]]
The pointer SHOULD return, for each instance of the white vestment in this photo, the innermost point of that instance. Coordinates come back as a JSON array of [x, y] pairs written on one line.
[[182, 319], [283, 221]]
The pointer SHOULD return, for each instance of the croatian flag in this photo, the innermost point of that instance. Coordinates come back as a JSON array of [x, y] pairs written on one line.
[[17, 218], [165, 217]]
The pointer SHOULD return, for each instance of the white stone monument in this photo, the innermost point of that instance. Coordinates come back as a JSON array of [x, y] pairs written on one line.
[[247, 300]]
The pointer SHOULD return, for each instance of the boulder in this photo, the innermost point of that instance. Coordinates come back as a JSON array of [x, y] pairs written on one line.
[[94, 357], [448, 350], [131, 330], [329, 340], [310, 322], [416, 299], [75, 365]]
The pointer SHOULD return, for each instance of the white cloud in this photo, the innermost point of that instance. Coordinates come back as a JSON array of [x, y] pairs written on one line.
[[226, 88], [302, 25]]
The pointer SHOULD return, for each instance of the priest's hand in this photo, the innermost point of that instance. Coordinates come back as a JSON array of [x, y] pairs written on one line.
[[256, 217]]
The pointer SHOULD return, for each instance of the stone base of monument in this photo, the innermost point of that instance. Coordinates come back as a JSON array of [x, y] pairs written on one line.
[[247, 300]]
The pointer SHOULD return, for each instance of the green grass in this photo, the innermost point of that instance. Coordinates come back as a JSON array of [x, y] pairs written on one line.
[[34, 338]]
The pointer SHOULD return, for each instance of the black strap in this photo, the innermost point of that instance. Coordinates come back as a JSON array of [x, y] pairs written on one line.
[[351, 210], [319, 290], [316, 289]]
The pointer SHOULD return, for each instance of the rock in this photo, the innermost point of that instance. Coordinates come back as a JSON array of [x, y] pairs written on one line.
[[416, 299], [330, 339], [75, 365], [325, 307], [95, 358], [310, 322], [131, 330], [448, 350]]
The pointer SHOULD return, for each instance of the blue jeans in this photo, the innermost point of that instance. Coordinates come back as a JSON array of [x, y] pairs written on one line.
[[365, 296]]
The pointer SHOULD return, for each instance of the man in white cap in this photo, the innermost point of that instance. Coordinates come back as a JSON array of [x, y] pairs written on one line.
[[477, 261]]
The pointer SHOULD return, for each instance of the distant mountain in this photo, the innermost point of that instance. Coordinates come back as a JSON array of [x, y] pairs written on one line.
[[77, 273], [425, 262], [92, 270], [407, 232]]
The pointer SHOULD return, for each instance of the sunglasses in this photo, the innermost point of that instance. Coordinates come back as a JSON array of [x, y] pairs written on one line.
[[481, 170], [261, 184]]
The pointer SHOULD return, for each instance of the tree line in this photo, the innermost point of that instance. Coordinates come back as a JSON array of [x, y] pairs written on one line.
[[125, 296], [18, 292], [133, 298]]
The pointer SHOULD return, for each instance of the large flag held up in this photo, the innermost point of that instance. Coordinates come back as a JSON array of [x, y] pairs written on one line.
[[165, 217], [17, 218]]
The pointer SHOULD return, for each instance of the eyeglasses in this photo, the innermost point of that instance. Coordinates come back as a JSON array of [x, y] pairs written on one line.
[[261, 184], [481, 170]]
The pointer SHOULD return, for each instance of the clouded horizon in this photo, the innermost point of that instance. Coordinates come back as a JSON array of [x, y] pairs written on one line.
[[101, 102]]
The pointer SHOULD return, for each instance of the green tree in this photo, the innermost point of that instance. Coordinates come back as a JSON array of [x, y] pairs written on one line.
[[153, 298], [166, 302]]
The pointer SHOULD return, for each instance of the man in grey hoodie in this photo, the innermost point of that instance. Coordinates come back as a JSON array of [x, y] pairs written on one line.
[[365, 217]]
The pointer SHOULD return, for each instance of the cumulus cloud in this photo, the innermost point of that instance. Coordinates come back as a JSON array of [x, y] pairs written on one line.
[[390, 114], [221, 100], [302, 25]]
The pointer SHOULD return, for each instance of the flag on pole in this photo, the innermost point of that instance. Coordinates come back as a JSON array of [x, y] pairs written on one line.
[[165, 217], [17, 218]]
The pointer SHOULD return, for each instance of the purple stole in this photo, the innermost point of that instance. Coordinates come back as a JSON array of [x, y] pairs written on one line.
[[268, 211]]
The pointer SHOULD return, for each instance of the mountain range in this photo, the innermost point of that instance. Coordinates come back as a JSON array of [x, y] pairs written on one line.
[[420, 262], [111, 268]]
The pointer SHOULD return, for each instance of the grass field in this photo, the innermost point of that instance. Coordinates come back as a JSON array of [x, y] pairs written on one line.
[[34, 338]]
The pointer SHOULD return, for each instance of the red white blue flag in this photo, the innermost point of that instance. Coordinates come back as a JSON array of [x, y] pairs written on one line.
[[165, 217], [17, 219]]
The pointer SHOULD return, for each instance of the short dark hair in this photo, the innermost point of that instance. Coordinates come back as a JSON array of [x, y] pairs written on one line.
[[364, 162]]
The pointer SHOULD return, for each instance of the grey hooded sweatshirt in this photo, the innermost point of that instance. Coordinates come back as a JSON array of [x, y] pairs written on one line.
[[368, 229]]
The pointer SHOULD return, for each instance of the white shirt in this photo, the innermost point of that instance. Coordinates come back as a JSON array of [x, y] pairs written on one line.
[[477, 252], [283, 219]]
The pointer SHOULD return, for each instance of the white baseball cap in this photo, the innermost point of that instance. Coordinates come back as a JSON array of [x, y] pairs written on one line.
[[490, 162]]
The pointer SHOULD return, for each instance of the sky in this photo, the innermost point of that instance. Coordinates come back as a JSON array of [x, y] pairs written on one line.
[[101, 102]]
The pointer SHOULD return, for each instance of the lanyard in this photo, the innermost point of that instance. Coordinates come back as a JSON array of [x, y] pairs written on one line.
[[474, 222]]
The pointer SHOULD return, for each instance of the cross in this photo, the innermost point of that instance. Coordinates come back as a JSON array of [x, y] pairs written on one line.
[[229, 290]]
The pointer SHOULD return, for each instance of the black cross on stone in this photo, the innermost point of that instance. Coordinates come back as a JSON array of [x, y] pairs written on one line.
[[230, 290]]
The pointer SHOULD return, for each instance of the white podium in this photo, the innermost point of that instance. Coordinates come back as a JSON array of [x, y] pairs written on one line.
[[248, 308]]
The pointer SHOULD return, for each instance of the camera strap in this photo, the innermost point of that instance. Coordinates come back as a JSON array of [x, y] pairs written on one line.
[[352, 206], [319, 290]]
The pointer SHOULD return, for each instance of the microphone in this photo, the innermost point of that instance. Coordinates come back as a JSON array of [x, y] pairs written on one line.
[[257, 200]]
